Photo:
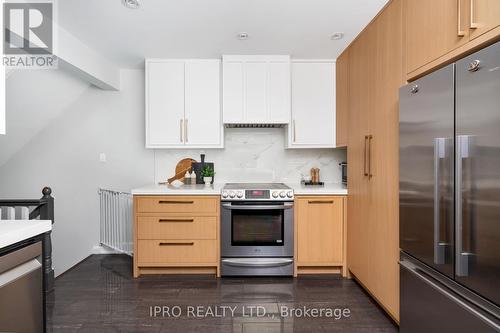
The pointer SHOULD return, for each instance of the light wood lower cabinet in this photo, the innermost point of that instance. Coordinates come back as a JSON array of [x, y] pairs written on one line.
[[320, 234], [176, 234]]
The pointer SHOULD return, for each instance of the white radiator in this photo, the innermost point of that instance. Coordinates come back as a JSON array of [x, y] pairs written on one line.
[[116, 214]]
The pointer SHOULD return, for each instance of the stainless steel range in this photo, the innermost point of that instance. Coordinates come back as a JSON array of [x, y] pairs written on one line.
[[256, 229]]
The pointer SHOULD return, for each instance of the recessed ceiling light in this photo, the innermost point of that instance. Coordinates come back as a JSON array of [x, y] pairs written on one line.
[[132, 4], [337, 36], [243, 35]]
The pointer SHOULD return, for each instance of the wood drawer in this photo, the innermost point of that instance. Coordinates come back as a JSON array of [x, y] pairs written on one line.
[[165, 252], [177, 204], [176, 227]]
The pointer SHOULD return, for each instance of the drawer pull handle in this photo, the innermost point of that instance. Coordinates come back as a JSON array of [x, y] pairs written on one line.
[[175, 220], [176, 244], [320, 202], [175, 202]]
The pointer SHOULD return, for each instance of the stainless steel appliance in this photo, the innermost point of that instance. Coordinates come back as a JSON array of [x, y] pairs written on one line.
[[256, 229], [343, 166], [21, 289], [450, 198]]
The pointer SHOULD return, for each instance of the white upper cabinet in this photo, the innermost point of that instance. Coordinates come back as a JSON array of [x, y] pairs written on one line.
[[256, 89], [164, 103], [313, 105], [183, 104]]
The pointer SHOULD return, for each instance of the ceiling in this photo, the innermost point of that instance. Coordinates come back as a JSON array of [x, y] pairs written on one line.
[[209, 28]]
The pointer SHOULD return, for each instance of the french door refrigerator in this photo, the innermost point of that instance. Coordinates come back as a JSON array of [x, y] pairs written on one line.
[[450, 198]]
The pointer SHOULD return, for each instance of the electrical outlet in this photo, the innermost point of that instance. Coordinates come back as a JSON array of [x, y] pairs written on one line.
[[102, 157]]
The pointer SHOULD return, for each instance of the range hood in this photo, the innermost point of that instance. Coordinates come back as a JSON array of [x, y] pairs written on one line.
[[256, 91], [255, 125]]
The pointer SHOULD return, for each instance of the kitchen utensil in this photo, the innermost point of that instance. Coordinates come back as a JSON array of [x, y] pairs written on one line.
[[181, 168]]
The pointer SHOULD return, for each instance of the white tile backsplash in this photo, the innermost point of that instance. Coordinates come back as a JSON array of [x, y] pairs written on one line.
[[256, 155]]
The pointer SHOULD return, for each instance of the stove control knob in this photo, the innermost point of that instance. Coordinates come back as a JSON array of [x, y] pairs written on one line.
[[224, 194], [232, 194], [282, 194], [289, 194], [275, 194], [239, 194]]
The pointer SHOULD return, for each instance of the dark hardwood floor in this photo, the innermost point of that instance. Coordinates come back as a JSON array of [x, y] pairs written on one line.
[[100, 295]]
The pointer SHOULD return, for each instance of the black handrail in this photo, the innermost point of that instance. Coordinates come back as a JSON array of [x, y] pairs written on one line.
[[44, 210]]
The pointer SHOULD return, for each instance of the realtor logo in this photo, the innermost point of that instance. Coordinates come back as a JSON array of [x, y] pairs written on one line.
[[28, 34]]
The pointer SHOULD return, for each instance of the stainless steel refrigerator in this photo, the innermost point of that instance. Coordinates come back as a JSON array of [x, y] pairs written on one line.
[[450, 197]]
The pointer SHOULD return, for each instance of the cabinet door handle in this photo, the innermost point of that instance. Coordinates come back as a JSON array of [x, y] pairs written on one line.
[[186, 130], [370, 174], [364, 156], [460, 32], [180, 130], [176, 244], [294, 131], [171, 202], [320, 201], [473, 25], [175, 220]]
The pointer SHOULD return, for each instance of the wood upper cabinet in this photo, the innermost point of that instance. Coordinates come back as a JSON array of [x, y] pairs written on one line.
[[342, 95], [256, 89], [438, 32], [484, 16], [313, 104], [320, 230], [434, 28], [183, 104]]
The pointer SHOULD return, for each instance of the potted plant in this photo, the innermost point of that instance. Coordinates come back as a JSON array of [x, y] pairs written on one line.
[[208, 174]]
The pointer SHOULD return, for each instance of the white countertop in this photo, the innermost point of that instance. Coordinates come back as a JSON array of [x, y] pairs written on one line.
[[13, 231], [327, 189], [215, 189], [200, 189]]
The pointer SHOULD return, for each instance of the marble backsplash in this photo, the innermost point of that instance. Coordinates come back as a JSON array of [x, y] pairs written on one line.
[[256, 155]]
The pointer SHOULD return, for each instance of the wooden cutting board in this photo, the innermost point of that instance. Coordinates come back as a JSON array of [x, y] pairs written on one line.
[[181, 168]]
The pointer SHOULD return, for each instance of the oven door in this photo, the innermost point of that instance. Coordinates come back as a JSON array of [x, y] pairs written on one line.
[[257, 229]]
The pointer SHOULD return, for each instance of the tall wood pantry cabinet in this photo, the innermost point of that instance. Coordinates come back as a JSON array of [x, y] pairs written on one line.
[[375, 74]]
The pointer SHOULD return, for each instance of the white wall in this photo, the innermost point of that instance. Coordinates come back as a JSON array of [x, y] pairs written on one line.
[[60, 125], [64, 153]]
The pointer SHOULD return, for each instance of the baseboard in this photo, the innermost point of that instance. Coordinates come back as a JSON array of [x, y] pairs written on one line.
[[103, 249]]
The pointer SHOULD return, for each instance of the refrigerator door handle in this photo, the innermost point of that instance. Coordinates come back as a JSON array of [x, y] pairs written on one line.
[[463, 258], [439, 246], [430, 281]]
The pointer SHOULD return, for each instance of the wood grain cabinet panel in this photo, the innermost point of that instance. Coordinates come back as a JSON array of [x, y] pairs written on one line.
[[177, 227], [440, 32], [434, 28], [342, 110], [177, 204], [176, 234], [484, 16], [182, 252], [376, 71], [320, 224]]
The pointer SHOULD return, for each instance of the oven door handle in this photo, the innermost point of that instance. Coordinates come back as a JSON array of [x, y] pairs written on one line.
[[257, 207], [257, 262]]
